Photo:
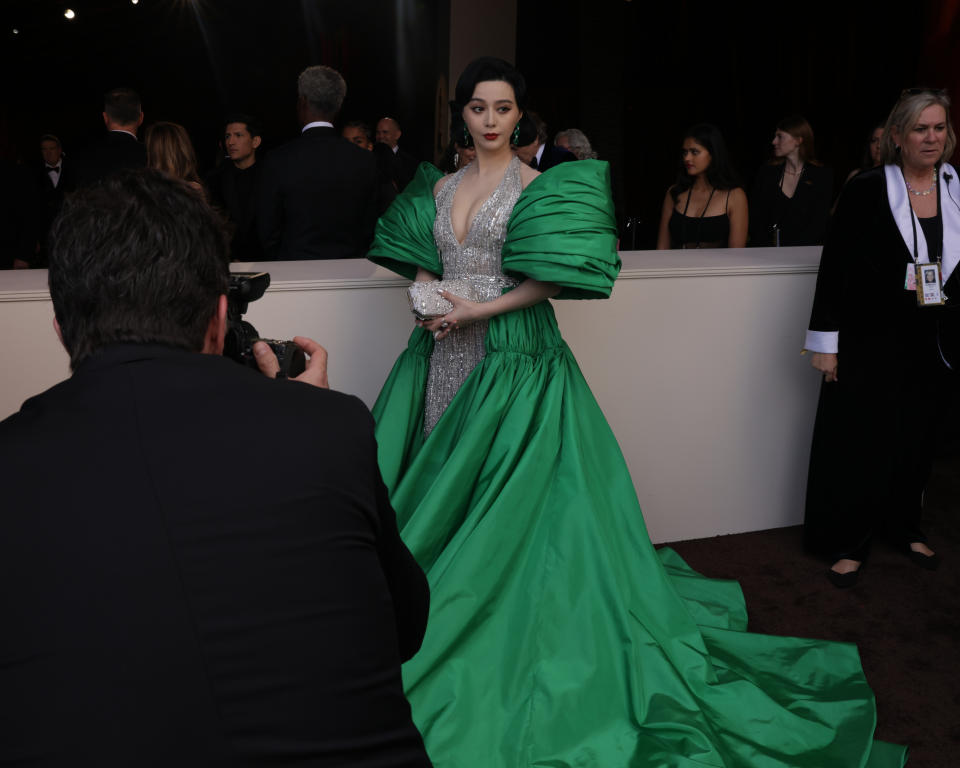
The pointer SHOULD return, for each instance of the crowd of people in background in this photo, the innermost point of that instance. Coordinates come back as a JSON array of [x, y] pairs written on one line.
[[707, 206]]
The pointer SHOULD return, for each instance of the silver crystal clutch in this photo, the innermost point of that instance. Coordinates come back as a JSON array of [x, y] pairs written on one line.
[[426, 301]]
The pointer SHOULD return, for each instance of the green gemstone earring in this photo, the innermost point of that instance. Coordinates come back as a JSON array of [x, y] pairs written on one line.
[[515, 137], [467, 138]]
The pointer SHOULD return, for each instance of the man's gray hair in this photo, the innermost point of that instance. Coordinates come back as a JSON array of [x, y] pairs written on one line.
[[323, 88]]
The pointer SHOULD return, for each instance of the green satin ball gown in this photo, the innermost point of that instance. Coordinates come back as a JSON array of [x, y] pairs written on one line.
[[558, 636]]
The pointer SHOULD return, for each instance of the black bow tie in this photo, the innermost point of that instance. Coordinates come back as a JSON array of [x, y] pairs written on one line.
[[53, 168]]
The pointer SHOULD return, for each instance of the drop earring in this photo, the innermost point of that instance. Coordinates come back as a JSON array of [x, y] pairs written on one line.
[[467, 138], [515, 136]]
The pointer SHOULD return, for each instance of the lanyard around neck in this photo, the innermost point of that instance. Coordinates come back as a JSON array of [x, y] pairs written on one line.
[[913, 220]]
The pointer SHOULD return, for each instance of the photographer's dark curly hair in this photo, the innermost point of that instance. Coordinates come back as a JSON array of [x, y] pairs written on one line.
[[138, 258], [720, 173]]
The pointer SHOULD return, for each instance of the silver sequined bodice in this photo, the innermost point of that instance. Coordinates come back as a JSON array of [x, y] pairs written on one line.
[[478, 260]]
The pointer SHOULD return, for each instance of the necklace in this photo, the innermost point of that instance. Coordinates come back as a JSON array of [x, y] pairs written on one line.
[[922, 192]]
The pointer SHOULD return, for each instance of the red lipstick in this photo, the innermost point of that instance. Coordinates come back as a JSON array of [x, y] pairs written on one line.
[[490, 136]]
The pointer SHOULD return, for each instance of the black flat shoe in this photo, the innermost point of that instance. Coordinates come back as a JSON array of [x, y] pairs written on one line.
[[930, 562], [843, 580]]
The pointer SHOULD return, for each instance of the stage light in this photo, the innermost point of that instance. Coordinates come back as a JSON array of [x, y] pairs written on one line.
[[69, 14], [134, 2], [16, 31]]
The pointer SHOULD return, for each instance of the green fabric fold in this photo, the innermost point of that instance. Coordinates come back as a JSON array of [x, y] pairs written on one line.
[[562, 230], [403, 239]]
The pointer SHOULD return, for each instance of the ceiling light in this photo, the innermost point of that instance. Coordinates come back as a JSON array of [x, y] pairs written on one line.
[[69, 14]]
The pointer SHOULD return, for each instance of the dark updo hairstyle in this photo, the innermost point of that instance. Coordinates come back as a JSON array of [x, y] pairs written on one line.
[[720, 173], [484, 69]]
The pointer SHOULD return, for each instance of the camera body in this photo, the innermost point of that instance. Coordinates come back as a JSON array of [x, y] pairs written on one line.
[[241, 335]]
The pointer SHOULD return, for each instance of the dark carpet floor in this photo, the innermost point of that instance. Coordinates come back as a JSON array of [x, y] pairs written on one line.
[[904, 620]]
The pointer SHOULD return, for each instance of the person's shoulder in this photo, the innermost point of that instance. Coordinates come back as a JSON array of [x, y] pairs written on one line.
[[862, 193], [527, 174], [737, 195], [442, 181], [868, 180]]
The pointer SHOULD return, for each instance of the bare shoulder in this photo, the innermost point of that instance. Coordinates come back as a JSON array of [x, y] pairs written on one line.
[[439, 185], [738, 196], [527, 174]]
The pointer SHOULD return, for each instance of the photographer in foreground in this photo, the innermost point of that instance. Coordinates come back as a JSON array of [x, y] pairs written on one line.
[[200, 564]]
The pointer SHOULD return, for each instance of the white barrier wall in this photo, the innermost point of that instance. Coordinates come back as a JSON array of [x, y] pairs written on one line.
[[695, 360]]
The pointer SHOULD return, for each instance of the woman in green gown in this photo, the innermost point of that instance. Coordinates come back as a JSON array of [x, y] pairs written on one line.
[[557, 635]]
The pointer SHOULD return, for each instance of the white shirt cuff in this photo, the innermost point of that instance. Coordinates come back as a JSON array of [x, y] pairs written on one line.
[[823, 341]]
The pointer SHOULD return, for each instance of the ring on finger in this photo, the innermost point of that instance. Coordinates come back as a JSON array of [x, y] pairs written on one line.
[[444, 324]]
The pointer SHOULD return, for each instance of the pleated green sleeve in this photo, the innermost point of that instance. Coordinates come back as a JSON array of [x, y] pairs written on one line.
[[403, 239], [563, 231]]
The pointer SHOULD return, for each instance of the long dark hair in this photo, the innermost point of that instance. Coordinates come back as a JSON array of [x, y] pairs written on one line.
[[720, 173]]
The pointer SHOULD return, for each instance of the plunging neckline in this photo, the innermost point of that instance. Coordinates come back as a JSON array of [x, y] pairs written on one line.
[[482, 207]]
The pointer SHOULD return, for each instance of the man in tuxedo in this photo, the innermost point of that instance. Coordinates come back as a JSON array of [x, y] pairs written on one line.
[[54, 180], [532, 147], [319, 192], [234, 186], [119, 147], [405, 164], [201, 565]]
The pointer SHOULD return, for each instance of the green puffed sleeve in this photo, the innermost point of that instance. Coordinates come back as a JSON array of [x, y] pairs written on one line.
[[562, 230], [403, 239]]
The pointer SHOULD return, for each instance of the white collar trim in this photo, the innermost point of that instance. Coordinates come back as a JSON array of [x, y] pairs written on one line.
[[899, 199]]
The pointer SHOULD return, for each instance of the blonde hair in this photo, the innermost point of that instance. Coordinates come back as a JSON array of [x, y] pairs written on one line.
[[169, 150], [905, 113]]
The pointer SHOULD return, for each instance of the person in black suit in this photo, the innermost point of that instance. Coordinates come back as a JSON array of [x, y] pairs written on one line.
[[404, 164], [119, 147], [791, 197], [885, 354], [204, 569], [55, 178], [318, 198], [234, 186], [531, 144]]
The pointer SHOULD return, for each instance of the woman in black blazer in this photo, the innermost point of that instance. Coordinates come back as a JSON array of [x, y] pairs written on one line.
[[791, 197], [885, 357]]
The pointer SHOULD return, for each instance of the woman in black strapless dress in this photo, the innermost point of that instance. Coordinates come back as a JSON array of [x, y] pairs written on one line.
[[706, 207]]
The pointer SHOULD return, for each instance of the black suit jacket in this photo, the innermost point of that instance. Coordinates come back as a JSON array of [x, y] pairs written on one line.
[[802, 219], [50, 201], [318, 198], [405, 168], [554, 156], [236, 194], [114, 151], [204, 570], [860, 288]]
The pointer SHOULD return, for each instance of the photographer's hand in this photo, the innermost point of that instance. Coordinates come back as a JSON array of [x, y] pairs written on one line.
[[315, 372]]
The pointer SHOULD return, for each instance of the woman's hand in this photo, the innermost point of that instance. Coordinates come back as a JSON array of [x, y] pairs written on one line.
[[464, 313], [826, 363]]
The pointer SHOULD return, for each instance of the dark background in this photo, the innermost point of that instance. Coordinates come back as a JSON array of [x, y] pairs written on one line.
[[631, 74]]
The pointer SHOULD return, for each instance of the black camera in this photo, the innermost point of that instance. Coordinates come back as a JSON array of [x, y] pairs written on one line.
[[241, 335]]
